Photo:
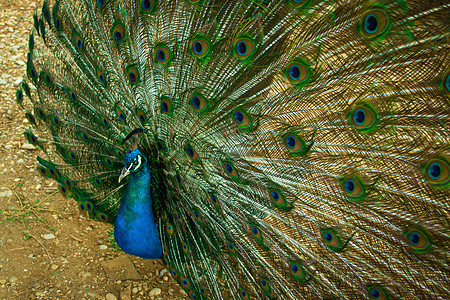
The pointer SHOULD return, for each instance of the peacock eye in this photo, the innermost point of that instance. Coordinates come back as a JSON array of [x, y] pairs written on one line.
[[137, 163]]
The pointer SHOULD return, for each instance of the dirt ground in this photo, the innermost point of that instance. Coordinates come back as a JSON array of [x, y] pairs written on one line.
[[47, 250]]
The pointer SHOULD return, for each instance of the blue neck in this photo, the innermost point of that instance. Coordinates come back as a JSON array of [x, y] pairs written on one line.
[[135, 229]]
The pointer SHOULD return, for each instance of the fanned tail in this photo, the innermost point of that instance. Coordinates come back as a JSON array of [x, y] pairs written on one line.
[[300, 148]]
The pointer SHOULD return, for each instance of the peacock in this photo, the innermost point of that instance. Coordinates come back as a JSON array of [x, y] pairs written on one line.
[[294, 149]]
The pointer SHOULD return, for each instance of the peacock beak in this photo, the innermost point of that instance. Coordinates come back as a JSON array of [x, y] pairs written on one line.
[[125, 172]]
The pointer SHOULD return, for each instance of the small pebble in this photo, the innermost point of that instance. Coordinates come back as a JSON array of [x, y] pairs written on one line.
[[155, 292], [27, 146], [48, 236], [6, 194], [135, 290], [110, 296], [162, 272], [103, 247]]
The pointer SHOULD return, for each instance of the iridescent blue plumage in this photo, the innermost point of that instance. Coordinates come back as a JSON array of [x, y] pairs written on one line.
[[290, 149], [135, 229]]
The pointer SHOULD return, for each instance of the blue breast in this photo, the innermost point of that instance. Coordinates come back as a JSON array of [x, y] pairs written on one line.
[[135, 229]]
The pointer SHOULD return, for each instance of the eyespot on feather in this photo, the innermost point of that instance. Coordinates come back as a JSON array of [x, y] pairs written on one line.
[[374, 23], [42, 171], [104, 122], [120, 113], [257, 234], [30, 118], [120, 154], [107, 162], [192, 295], [231, 248], [97, 182], [102, 217], [63, 190], [185, 248], [166, 106], [31, 70], [295, 144], [165, 250], [200, 47], [214, 201], [83, 136], [148, 6], [89, 206], [230, 170], [133, 75], [185, 283], [55, 121], [102, 3], [46, 79], [141, 115], [199, 103], [242, 119], [298, 72], [243, 294], [278, 199], [192, 153], [265, 286], [244, 48], [52, 173], [418, 240], [197, 216], [57, 22], [363, 118], [19, 97], [72, 157], [169, 229], [77, 41], [161, 145], [297, 271], [353, 188], [437, 172], [163, 54], [331, 239], [40, 113], [68, 184], [118, 33], [82, 207], [377, 293], [101, 77]]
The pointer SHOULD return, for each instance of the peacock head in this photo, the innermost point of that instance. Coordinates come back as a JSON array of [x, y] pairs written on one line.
[[133, 162]]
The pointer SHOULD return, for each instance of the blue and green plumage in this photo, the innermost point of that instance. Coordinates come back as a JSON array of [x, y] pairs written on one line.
[[136, 230], [289, 149]]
